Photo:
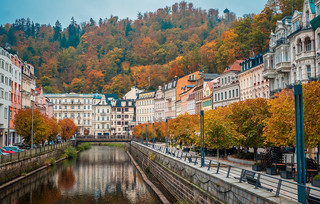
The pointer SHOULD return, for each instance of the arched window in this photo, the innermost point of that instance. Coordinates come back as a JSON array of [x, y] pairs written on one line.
[[308, 44], [299, 45]]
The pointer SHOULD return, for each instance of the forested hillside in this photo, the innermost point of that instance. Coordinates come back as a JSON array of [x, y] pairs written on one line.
[[113, 54]]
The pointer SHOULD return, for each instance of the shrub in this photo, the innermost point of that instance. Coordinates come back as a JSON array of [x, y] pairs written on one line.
[[317, 177], [84, 146], [112, 144], [70, 152], [258, 164], [50, 161]]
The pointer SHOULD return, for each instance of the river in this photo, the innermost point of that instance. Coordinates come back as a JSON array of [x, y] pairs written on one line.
[[99, 175]]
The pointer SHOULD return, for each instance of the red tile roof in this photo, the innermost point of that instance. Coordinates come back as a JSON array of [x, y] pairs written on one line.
[[234, 67]]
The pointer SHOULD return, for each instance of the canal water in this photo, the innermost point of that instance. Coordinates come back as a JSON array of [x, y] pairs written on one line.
[[99, 175]]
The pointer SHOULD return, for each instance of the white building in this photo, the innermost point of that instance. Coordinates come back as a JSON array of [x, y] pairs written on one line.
[[192, 102], [145, 107], [170, 99], [28, 85], [5, 94], [132, 94], [227, 89], [159, 105], [75, 106], [252, 83], [101, 116]]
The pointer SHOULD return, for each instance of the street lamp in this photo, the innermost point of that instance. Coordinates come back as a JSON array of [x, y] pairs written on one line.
[[202, 137], [153, 135], [167, 135]]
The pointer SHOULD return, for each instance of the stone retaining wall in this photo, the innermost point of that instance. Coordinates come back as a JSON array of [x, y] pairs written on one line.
[[192, 184], [14, 169]]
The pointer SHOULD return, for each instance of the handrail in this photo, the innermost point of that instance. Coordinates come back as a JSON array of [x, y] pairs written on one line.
[[281, 187]]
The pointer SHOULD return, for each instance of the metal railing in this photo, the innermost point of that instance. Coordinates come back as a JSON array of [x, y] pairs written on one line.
[[280, 187], [13, 157]]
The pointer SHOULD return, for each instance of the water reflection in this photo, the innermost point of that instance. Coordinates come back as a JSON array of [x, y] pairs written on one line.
[[99, 175]]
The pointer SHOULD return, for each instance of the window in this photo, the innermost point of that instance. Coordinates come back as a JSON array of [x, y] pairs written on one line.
[[222, 96], [72, 107], [84, 122], [60, 115], [118, 116], [308, 44], [84, 114], [230, 94], [78, 115], [88, 107], [309, 71], [88, 114], [102, 118], [5, 113], [72, 115], [78, 107], [237, 93], [65, 107], [88, 122], [233, 93], [225, 95], [65, 115], [78, 122], [98, 118], [98, 110]]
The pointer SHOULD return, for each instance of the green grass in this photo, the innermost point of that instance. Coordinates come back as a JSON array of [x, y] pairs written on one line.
[[84, 146], [112, 144]]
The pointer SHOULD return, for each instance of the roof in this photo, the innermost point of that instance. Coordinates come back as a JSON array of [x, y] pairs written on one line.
[[111, 96], [210, 84], [234, 67], [145, 95], [117, 103]]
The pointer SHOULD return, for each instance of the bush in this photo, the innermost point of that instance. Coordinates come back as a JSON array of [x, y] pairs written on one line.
[[316, 177], [70, 152], [112, 144], [248, 155], [258, 164], [84, 146], [50, 161]]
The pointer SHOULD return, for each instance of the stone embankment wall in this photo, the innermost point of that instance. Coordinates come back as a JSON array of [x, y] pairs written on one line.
[[10, 170], [192, 184]]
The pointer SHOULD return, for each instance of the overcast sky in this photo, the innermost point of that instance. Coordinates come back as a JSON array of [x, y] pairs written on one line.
[[48, 11]]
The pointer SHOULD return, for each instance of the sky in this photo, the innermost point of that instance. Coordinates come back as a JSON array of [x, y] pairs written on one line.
[[49, 11]]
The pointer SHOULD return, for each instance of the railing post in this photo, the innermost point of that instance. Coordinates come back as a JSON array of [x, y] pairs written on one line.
[[242, 172], [257, 181], [278, 188], [229, 169], [209, 165], [218, 168]]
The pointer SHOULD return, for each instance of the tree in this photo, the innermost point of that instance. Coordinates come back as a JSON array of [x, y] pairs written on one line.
[[57, 31], [183, 128], [218, 129], [247, 117], [68, 128], [23, 125], [279, 128], [53, 128]]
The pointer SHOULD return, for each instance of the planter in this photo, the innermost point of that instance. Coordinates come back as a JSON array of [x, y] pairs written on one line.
[[257, 167], [286, 174], [315, 183], [271, 171]]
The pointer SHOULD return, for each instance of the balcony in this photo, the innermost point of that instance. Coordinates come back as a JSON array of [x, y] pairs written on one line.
[[269, 74], [305, 54], [283, 67]]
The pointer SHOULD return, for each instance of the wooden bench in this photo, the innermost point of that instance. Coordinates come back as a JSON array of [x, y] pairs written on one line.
[[257, 183]]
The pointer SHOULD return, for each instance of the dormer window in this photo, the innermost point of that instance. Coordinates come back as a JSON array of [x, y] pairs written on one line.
[[307, 19]]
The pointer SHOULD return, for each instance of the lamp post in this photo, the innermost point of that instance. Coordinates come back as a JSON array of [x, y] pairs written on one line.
[[153, 135], [167, 135], [32, 103], [202, 137], [301, 170], [141, 134], [147, 134]]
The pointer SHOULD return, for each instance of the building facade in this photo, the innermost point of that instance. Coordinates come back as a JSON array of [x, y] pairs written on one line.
[[159, 105], [170, 99], [78, 107], [192, 101], [145, 107], [28, 85], [252, 83], [43, 103], [101, 116], [132, 94], [184, 98], [5, 94], [227, 90], [123, 117], [207, 96]]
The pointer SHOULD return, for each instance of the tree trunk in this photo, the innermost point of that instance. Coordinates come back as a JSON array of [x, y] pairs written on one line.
[[255, 157]]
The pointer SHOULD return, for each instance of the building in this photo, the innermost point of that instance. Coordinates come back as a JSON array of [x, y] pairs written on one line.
[[178, 108], [5, 94], [205, 78], [227, 89], [252, 83], [277, 61], [15, 106], [28, 85], [101, 115], [207, 96], [145, 107], [159, 105], [170, 99], [132, 94], [184, 98], [122, 118], [187, 80], [43, 103], [192, 101], [75, 106]]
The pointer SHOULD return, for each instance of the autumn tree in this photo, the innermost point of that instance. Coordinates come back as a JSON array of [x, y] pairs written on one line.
[[23, 125], [68, 128], [53, 129], [219, 131], [279, 128], [247, 117]]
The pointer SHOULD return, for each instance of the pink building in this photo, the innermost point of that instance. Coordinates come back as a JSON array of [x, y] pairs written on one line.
[[43, 103]]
